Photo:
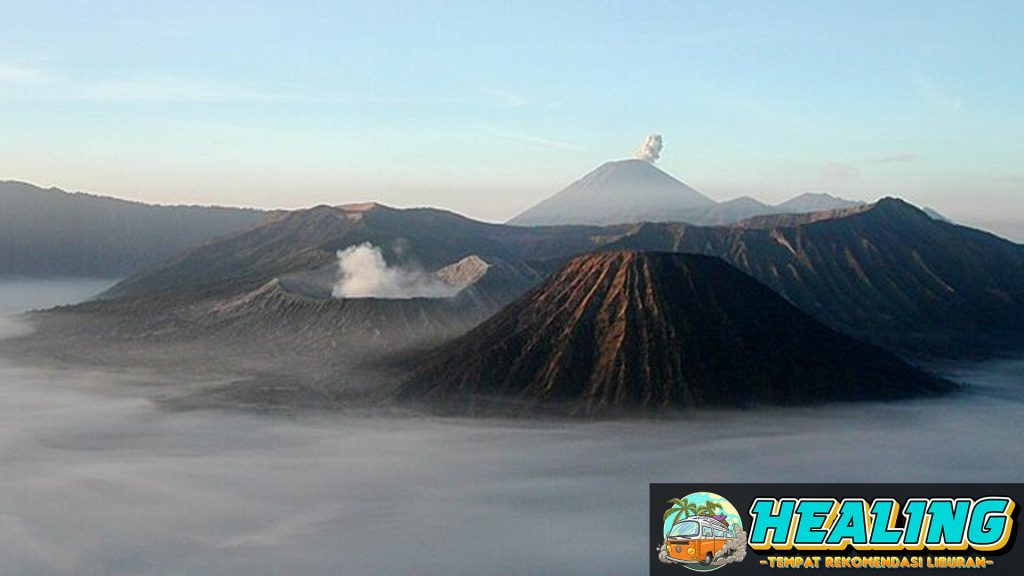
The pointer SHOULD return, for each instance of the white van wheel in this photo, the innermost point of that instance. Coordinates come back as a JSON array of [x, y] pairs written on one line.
[[708, 559]]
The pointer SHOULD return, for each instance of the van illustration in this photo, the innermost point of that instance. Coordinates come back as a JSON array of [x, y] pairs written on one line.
[[702, 532], [697, 539]]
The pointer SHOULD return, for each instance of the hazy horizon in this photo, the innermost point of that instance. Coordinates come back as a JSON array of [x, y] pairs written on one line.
[[1009, 227], [487, 108]]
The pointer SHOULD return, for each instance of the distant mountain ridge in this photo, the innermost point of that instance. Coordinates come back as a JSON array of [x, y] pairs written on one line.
[[309, 239], [631, 191], [50, 232], [885, 271], [628, 329], [813, 202], [881, 270]]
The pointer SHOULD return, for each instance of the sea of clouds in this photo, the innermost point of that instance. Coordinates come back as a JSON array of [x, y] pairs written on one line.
[[96, 478]]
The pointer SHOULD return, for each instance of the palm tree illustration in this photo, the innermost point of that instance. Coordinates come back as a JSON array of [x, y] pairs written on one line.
[[708, 509], [681, 509]]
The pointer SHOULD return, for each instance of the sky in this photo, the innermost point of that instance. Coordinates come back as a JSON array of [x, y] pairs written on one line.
[[487, 107]]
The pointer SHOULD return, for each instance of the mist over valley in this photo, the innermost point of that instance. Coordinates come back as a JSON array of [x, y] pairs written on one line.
[[99, 472]]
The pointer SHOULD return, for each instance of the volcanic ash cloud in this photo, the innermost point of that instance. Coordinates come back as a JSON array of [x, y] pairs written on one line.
[[363, 273], [650, 150]]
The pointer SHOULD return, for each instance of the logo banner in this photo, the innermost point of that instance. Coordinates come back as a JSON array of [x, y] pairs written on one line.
[[840, 529]]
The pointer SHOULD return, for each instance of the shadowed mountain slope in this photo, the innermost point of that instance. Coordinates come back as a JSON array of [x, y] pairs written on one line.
[[49, 232], [875, 270], [489, 285], [309, 239], [628, 329], [271, 312]]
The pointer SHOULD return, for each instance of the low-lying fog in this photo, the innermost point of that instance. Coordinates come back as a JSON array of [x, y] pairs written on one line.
[[23, 294], [94, 479]]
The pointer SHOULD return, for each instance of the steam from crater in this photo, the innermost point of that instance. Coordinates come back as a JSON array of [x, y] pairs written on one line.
[[363, 273], [650, 150]]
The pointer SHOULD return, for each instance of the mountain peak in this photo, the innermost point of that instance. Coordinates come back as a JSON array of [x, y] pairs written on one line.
[[897, 206], [626, 328], [465, 272], [619, 191], [745, 201], [629, 164], [363, 206], [815, 196], [815, 202]]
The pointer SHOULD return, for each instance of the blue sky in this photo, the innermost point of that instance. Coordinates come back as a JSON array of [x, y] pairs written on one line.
[[486, 107]]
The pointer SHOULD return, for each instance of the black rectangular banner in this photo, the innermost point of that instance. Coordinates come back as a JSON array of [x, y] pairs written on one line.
[[841, 529]]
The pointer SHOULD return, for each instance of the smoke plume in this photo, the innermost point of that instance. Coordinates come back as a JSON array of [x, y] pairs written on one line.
[[363, 273], [650, 150], [735, 550]]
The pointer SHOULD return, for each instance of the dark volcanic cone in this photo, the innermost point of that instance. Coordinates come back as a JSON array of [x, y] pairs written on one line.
[[635, 329]]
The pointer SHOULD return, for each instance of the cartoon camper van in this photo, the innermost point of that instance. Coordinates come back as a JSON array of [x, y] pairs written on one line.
[[697, 539]]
